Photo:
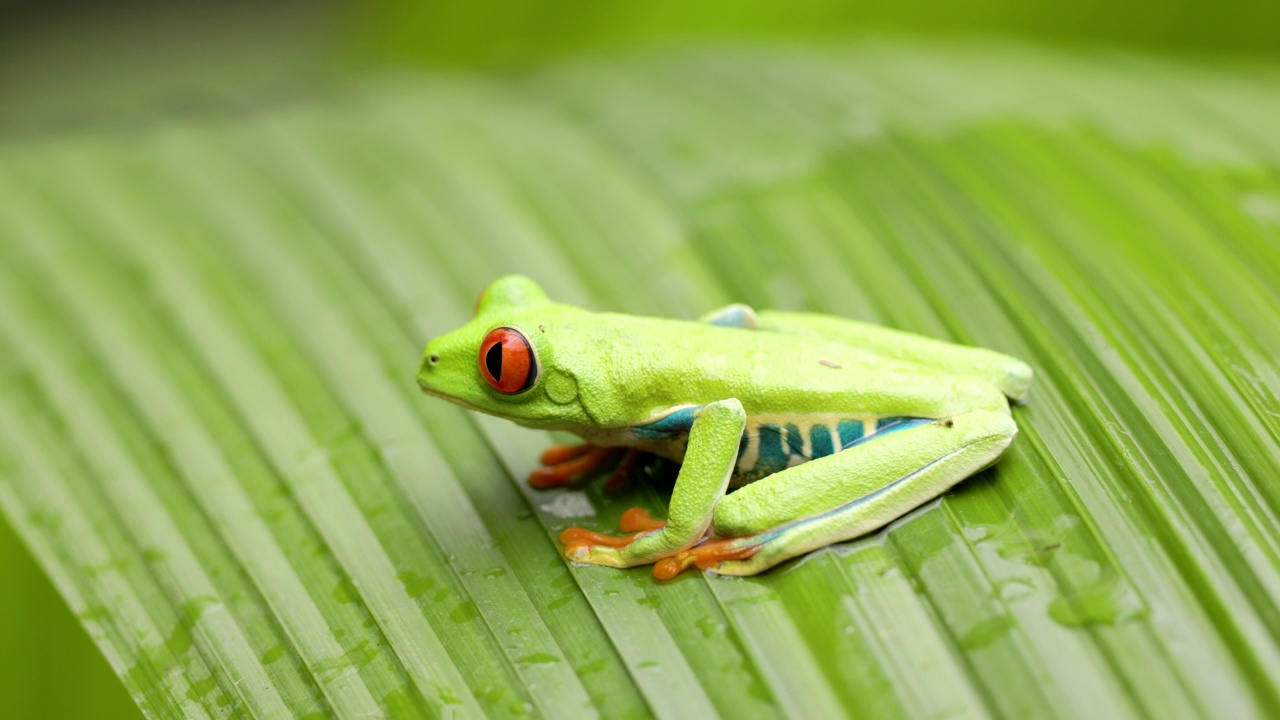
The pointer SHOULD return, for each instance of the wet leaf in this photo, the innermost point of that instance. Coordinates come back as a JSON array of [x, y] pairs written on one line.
[[211, 439]]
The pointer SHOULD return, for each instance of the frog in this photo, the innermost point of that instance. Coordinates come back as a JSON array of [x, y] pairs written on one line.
[[793, 430]]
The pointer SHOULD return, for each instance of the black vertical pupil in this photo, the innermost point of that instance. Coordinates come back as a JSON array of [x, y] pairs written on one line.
[[493, 361]]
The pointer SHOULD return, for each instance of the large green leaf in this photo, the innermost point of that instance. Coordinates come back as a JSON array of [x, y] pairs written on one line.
[[211, 439]]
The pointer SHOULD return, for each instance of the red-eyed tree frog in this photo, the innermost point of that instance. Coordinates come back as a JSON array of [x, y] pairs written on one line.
[[827, 428]]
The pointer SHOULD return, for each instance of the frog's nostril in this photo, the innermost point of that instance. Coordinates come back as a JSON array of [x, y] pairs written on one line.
[[433, 359]]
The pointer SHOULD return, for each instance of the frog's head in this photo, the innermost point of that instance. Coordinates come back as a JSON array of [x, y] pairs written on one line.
[[501, 362]]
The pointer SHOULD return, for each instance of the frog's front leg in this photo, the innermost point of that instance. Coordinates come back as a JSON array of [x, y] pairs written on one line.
[[844, 495], [704, 476]]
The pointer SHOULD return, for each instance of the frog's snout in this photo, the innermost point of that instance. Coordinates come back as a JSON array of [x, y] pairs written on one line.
[[427, 369]]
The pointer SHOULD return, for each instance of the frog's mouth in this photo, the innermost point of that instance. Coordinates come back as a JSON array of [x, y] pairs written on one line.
[[464, 404], [445, 396]]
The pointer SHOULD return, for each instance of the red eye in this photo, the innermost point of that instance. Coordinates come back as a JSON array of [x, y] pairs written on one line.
[[506, 361]]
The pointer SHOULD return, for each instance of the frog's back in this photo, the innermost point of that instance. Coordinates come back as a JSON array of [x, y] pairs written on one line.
[[642, 367]]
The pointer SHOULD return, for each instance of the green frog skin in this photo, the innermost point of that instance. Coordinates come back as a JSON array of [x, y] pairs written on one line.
[[827, 428]]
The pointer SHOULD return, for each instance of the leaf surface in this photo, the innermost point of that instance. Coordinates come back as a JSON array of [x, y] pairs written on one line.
[[211, 438]]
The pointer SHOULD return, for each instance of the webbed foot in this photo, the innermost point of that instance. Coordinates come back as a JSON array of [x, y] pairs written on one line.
[[709, 555], [587, 546]]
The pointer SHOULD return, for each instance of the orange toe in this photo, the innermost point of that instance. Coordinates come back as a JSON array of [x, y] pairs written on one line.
[[569, 470], [721, 552], [557, 454], [637, 519], [705, 556], [668, 568], [583, 536]]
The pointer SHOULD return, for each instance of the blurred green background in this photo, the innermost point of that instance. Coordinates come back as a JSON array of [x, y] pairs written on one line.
[[515, 32], [47, 50]]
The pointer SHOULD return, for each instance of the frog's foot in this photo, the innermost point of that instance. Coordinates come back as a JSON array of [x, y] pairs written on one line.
[[587, 546], [708, 555], [566, 463]]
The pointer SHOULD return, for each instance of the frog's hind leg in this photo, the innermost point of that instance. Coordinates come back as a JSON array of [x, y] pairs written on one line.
[[843, 496], [1008, 373]]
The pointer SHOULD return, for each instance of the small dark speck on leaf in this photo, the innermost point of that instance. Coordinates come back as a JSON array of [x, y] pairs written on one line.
[[1054, 546], [830, 364]]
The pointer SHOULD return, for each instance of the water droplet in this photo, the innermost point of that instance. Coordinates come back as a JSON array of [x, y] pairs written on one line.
[[414, 584], [1011, 589], [343, 592], [594, 666], [1106, 601], [465, 611], [986, 632], [709, 626]]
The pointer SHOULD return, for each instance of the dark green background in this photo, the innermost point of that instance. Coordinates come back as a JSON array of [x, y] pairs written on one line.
[[513, 32], [48, 667]]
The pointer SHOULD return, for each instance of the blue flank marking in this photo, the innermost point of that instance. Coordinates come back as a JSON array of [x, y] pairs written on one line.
[[771, 457], [850, 432], [673, 425], [820, 442], [734, 317], [778, 443], [884, 426], [795, 441]]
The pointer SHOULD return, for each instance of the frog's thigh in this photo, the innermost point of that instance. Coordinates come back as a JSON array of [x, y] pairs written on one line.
[[854, 491], [1010, 374]]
